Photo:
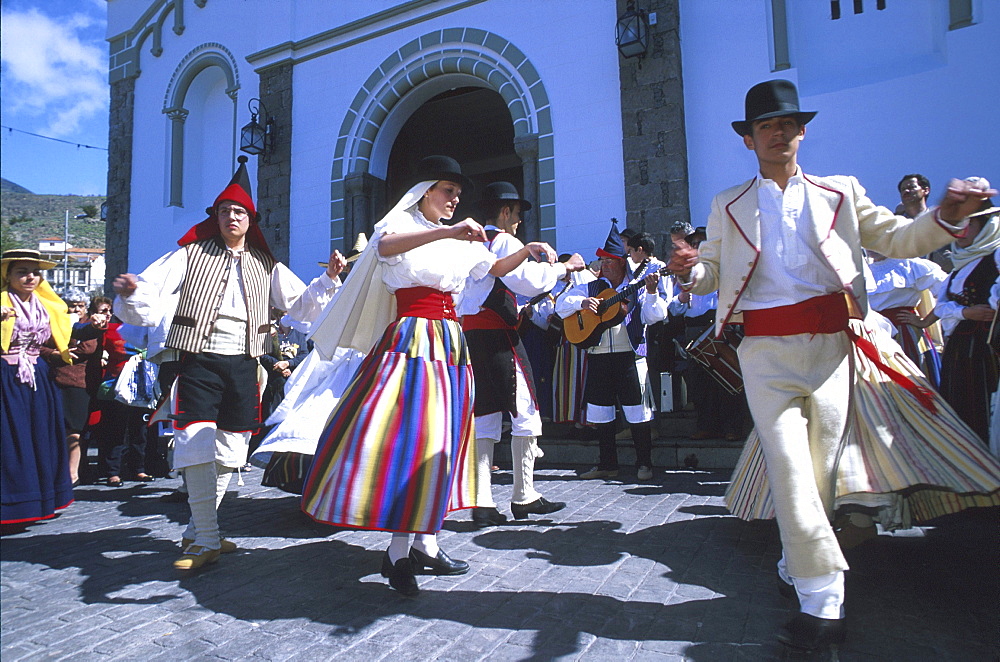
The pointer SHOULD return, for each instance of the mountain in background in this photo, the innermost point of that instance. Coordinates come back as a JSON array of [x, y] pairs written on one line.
[[8, 186], [25, 217]]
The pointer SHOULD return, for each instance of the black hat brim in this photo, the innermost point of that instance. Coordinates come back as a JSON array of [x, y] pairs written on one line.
[[467, 184], [525, 205], [745, 127]]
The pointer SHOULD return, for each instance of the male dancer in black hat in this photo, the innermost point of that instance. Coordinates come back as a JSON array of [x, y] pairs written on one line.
[[503, 375], [218, 289], [784, 252]]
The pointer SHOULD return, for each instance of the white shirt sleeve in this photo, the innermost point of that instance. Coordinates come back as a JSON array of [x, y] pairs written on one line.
[[529, 278], [572, 301], [301, 302], [653, 307], [156, 293]]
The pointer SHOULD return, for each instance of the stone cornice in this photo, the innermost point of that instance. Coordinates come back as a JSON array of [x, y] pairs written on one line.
[[363, 29]]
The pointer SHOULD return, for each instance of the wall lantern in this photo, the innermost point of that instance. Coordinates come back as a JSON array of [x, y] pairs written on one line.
[[632, 32], [255, 139]]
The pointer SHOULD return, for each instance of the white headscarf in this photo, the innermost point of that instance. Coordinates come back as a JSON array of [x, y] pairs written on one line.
[[987, 241], [362, 308]]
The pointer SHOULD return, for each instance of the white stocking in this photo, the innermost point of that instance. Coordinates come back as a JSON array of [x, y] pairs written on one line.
[[399, 547], [427, 543], [524, 450], [484, 464]]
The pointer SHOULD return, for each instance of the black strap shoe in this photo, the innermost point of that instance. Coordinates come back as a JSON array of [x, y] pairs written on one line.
[[540, 506], [442, 564], [400, 576], [486, 517], [807, 633]]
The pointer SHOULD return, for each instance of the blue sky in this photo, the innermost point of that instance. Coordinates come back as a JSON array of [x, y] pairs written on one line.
[[54, 82]]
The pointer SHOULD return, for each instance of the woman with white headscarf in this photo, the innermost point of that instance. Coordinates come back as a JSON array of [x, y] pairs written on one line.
[[968, 368], [397, 454]]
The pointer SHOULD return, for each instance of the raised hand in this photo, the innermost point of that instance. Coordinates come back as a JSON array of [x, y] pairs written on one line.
[[468, 230], [125, 284]]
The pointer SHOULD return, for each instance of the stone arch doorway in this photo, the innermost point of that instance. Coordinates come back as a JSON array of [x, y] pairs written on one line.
[[470, 124], [444, 70]]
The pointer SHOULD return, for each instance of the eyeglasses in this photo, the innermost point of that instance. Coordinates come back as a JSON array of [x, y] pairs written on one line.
[[237, 212]]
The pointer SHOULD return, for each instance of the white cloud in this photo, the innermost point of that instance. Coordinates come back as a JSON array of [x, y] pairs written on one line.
[[50, 72]]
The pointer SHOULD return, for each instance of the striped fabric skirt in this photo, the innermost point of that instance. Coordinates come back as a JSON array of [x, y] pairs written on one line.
[[397, 453], [901, 463], [568, 378]]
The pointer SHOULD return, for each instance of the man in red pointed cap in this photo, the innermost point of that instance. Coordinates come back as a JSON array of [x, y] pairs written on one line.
[[214, 294]]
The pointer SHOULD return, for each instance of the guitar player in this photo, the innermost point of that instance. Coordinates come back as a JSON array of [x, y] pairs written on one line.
[[616, 365]]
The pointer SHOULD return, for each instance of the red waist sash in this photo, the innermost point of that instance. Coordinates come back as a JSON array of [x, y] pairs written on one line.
[[827, 314], [485, 319], [425, 302], [823, 314]]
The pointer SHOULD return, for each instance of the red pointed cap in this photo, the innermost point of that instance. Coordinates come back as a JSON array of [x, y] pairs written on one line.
[[238, 191]]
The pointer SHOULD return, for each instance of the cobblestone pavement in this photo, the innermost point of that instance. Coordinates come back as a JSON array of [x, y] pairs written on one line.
[[653, 571]]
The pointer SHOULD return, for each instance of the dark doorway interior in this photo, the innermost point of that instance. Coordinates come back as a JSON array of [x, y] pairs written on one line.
[[469, 124]]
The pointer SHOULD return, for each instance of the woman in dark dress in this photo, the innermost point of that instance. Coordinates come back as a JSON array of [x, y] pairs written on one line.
[[34, 460]]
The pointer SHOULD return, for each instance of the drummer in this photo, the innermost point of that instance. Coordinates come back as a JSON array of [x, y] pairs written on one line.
[[698, 313], [616, 365]]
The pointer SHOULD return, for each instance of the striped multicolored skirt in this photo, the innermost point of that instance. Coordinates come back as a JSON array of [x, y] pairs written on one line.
[[397, 453], [901, 462], [568, 378]]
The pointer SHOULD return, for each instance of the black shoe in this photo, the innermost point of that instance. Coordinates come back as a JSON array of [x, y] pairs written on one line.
[[484, 517], [540, 506], [400, 576], [442, 564], [786, 590], [807, 633]]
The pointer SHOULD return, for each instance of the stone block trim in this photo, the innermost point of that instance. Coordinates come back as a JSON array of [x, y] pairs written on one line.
[[125, 48], [654, 143], [274, 167], [457, 51], [116, 229]]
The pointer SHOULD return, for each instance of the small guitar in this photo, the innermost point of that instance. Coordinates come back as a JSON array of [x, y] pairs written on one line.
[[584, 328]]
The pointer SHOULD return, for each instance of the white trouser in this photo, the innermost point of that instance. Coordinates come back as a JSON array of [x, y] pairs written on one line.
[[798, 388], [202, 442], [821, 596], [206, 485], [641, 413]]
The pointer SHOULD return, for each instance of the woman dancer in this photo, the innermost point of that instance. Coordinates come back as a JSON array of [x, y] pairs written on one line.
[[35, 459], [397, 453], [969, 369]]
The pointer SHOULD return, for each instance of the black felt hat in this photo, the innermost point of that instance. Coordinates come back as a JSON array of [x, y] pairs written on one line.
[[772, 98], [504, 191], [438, 168]]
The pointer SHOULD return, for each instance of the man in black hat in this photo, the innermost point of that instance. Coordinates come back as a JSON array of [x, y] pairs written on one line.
[[500, 364], [217, 290], [784, 252], [616, 363]]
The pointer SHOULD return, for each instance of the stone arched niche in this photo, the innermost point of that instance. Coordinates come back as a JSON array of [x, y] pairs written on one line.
[[419, 71]]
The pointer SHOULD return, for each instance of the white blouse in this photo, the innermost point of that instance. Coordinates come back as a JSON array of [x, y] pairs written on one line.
[[444, 264]]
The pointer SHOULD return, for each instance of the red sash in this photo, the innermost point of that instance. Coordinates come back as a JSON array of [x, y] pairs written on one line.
[[484, 319], [425, 302], [826, 314]]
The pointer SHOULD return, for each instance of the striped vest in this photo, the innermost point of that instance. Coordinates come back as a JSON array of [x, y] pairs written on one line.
[[208, 270]]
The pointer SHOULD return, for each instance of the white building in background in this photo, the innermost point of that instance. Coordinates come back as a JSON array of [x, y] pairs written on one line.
[[77, 268], [532, 92]]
